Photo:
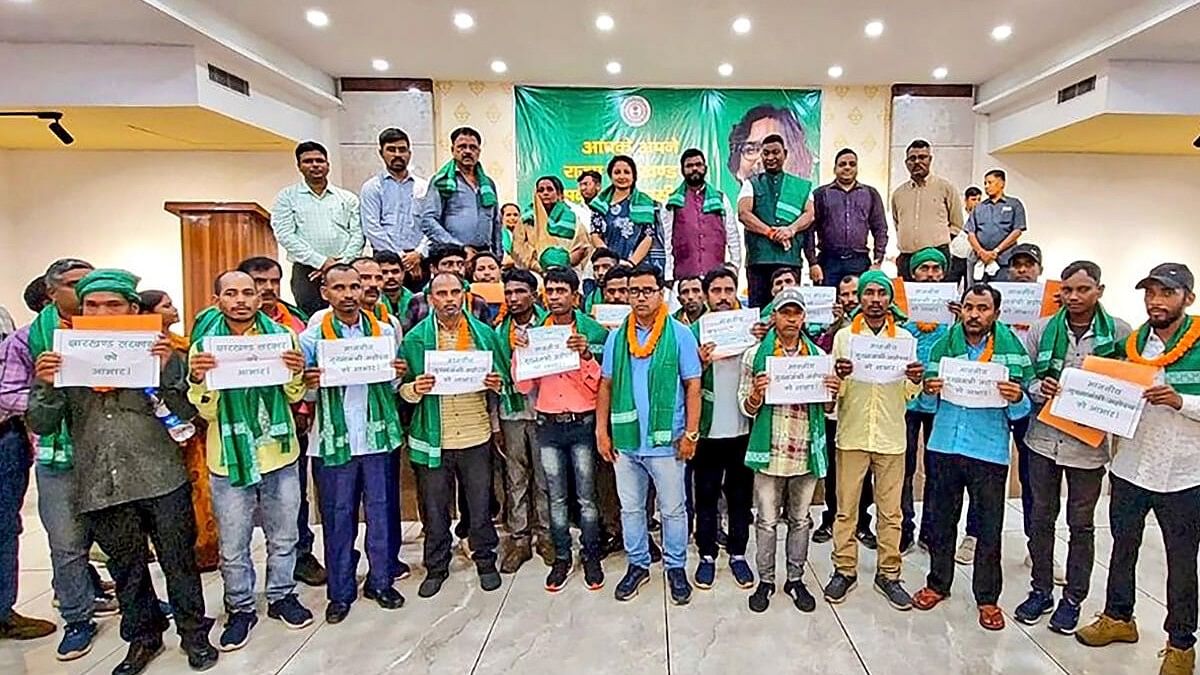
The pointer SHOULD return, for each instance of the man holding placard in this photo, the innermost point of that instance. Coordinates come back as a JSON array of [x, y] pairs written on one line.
[[129, 480], [1158, 470], [453, 359], [450, 258], [787, 444], [884, 375], [351, 359], [969, 447], [253, 466]]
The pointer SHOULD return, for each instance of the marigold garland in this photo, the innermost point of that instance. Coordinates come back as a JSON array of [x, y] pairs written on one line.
[[644, 351], [860, 320], [1167, 358], [927, 326], [285, 316], [328, 333]]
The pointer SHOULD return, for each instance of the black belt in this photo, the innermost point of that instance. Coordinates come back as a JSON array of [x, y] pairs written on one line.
[[567, 418]]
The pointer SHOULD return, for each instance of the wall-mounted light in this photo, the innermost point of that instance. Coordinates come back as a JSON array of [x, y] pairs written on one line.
[[54, 117]]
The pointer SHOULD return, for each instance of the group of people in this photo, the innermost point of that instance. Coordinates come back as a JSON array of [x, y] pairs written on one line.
[[654, 431]]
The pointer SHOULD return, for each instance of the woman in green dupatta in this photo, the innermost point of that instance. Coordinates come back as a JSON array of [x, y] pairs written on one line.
[[625, 219]]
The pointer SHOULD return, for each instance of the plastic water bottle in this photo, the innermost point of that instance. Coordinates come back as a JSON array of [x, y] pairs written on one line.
[[179, 429]]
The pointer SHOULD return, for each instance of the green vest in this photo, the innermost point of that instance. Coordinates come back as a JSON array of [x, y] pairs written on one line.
[[778, 201]]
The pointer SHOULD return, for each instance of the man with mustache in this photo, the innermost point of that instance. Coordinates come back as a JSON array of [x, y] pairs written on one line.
[[463, 209], [699, 224], [392, 203]]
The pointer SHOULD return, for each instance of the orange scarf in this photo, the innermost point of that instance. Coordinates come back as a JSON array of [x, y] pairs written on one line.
[[644, 351], [860, 322], [328, 333], [986, 356], [285, 317], [926, 326], [1186, 342]]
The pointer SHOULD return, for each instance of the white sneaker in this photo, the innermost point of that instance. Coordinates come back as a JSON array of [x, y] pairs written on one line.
[[966, 551]]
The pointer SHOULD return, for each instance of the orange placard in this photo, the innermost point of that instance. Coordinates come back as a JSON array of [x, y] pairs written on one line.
[[142, 322], [899, 295], [491, 292], [1121, 370], [1050, 302]]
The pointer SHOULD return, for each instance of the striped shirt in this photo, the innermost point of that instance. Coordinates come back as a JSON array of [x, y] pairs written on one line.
[[313, 228]]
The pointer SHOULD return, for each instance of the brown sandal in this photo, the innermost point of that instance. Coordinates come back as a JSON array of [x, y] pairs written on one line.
[[990, 617], [927, 598]]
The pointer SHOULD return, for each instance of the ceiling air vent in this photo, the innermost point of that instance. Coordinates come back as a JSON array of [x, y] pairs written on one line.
[[233, 82], [1078, 89]]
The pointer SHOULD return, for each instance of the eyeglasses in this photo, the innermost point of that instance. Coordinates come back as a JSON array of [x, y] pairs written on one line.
[[643, 292], [749, 148]]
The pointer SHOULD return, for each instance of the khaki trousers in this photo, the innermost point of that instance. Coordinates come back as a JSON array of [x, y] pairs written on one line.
[[888, 472]]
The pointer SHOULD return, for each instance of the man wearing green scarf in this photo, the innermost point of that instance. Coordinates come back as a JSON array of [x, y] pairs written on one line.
[[655, 424], [450, 258], [252, 467], [129, 482], [969, 451], [699, 224], [395, 294], [464, 209], [776, 209], [357, 427]]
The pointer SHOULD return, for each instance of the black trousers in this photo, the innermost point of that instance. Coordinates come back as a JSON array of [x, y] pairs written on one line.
[[837, 266], [170, 523], [866, 497], [305, 292], [720, 466], [1083, 491], [919, 425], [472, 469], [1177, 519], [985, 483], [758, 280]]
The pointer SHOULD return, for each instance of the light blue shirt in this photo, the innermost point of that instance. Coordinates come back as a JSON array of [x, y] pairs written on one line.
[[312, 228], [978, 433], [689, 369], [354, 398], [391, 215], [461, 219], [925, 343]]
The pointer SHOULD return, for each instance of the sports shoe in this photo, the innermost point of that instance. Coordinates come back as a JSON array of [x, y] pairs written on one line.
[[822, 534], [77, 640], [681, 590], [894, 591], [593, 575], [801, 598], [706, 572], [1177, 661], [201, 655], [839, 585], [557, 579], [742, 575], [760, 599], [289, 610], [1065, 618], [104, 605], [635, 577], [966, 551], [868, 539], [1106, 630], [1036, 605], [401, 571], [237, 631], [25, 628]]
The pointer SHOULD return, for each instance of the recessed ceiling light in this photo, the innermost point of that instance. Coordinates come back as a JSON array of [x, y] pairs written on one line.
[[380, 64], [741, 25], [613, 67], [463, 21], [605, 22], [940, 73], [499, 66], [873, 29], [725, 69], [835, 71], [317, 18], [1002, 32]]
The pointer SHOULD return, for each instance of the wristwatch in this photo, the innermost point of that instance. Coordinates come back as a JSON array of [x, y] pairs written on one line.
[[692, 436]]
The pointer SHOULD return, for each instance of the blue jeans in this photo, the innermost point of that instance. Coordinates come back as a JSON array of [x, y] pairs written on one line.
[[838, 266], [305, 542], [15, 460], [70, 540], [568, 451], [340, 489], [275, 499], [634, 473]]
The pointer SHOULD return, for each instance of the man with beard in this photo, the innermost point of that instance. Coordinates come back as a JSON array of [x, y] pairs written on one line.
[[690, 293], [699, 224], [395, 294], [926, 208], [391, 204], [846, 211]]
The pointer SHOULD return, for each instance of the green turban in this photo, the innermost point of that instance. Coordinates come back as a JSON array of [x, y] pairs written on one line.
[[555, 256], [877, 277], [121, 282], [929, 254]]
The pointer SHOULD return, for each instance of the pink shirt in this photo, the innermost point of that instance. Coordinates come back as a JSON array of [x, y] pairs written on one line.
[[573, 392]]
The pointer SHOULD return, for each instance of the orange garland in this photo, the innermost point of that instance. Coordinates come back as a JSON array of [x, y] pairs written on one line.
[[927, 326], [328, 333], [462, 337], [860, 320], [285, 316], [990, 349], [641, 352], [1163, 360]]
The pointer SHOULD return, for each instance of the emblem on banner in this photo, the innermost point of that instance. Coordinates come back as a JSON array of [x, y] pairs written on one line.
[[635, 110]]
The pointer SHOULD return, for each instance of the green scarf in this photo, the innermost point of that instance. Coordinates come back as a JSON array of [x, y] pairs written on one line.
[[927, 254], [425, 430], [878, 277], [398, 309], [664, 364], [1183, 374], [54, 451], [295, 311], [560, 222], [793, 196], [595, 333], [1006, 349], [707, 395], [118, 281], [384, 432], [641, 205], [1052, 348], [446, 182], [713, 202], [758, 452], [514, 403], [240, 412], [596, 297]]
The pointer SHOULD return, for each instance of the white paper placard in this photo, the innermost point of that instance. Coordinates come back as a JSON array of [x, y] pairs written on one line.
[[798, 379], [102, 358], [610, 316], [928, 302], [972, 384], [730, 331], [458, 372], [1020, 302], [1099, 401], [819, 302], [351, 361], [880, 360], [547, 353], [247, 360]]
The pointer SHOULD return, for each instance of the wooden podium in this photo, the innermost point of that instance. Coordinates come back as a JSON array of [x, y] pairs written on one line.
[[216, 236]]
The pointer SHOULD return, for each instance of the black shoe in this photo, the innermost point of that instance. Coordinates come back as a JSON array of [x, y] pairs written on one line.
[[635, 577], [336, 612], [867, 539], [309, 570], [894, 591], [388, 598], [237, 630], [611, 545], [822, 534], [801, 598], [839, 585], [201, 655], [289, 610], [489, 577], [401, 571], [760, 599], [431, 585], [557, 579], [140, 654], [593, 575], [681, 590], [655, 552], [654, 525]]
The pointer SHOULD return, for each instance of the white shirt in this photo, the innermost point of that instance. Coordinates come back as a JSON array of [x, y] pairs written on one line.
[[727, 420], [1164, 453]]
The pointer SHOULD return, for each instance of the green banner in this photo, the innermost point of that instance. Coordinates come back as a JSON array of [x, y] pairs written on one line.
[[565, 131]]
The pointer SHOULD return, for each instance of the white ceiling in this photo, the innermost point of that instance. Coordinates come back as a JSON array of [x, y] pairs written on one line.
[[1174, 40]]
